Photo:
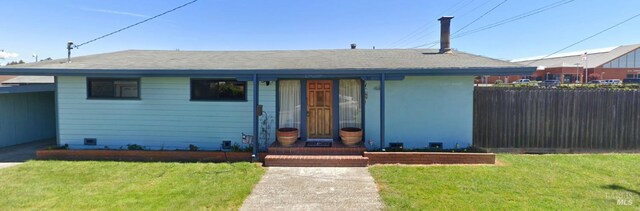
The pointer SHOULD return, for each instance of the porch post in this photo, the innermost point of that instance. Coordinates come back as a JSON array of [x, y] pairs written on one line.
[[382, 111], [256, 84]]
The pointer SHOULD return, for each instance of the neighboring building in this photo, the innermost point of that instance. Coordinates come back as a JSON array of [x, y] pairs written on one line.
[[606, 63], [171, 99]]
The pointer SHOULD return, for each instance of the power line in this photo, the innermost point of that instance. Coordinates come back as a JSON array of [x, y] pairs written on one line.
[[422, 28], [504, 21], [589, 37], [135, 24], [465, 26], [431, 32], [517, 17]]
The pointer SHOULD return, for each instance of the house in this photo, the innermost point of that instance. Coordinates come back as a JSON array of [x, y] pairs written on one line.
[[173, 99], [620, 62]]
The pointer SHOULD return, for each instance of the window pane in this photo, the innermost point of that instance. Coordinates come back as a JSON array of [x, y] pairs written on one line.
[[637, 58], [630, 59], [350, 103], [607, 65], [101, 89], [614, 63], [623, 62], [289, 104], [207, 89], [112, 88]]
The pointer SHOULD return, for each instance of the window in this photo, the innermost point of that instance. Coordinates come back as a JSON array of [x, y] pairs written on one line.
[[113, 88], [623, 62], [218, 90], [630, 59], [614, 63], [637, 58]]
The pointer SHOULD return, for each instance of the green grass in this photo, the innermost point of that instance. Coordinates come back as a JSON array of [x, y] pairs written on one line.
[[62, 185], [531, 182]]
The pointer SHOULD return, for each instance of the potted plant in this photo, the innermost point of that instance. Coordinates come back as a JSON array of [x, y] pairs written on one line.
[[287, 136], [351, 136]]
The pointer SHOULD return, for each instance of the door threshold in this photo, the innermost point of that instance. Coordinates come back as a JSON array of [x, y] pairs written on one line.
[[320, 139]]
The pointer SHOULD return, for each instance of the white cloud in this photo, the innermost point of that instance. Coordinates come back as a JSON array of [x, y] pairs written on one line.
[[115, 12], [5, 55]]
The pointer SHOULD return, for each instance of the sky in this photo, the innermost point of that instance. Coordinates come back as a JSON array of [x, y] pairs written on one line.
[[44, 27]]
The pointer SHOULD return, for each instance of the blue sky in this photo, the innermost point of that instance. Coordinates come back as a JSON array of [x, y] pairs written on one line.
[[44, 27]]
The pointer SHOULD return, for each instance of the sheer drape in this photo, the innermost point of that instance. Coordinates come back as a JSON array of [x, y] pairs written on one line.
[[289, 104], [350, 103]]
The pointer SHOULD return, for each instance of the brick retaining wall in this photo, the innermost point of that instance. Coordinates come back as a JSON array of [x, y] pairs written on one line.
[[429, 158], [138, 155]]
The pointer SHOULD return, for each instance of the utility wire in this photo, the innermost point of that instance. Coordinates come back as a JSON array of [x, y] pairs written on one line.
[[504, 21], [517, 17], [135, 24], [481, 16], [589, 37], [422, 28], [466, 13]]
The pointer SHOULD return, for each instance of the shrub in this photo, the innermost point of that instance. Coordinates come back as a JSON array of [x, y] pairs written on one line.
[[134, 147], [193, 147]]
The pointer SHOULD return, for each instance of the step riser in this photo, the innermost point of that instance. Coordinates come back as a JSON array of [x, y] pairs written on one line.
[[315, 161], [316, 151]]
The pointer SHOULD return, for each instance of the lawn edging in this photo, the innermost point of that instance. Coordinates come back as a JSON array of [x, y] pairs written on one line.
[[429, 158], [143, 155]]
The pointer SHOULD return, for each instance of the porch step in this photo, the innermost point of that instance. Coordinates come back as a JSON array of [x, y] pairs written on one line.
[[317, 150], [299, 148], [316, 161]]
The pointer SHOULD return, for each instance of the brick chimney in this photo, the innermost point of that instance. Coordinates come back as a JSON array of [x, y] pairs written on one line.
[[445, 34]]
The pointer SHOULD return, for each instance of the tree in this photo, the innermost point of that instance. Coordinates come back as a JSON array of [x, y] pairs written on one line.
[[14, 62]]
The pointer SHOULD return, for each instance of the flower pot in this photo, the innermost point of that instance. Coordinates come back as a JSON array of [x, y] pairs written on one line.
[[287, 136], [351, 136]]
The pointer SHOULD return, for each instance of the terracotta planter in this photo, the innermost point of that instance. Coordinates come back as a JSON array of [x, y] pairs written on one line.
[[351, 136], [287, 136]]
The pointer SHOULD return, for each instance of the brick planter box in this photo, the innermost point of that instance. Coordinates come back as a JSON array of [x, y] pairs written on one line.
[[141, 155], [429, 158]]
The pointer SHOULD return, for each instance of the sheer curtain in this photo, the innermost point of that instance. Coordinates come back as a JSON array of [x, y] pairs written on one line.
[[350, 103], [289, 115]]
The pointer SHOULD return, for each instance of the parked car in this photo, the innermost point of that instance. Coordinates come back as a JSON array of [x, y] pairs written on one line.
[[522, 81], [598, 82], [614, 82], [631, 81], [550, 83]]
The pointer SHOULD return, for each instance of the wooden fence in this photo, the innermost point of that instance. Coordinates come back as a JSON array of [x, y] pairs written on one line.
[[597, 119]]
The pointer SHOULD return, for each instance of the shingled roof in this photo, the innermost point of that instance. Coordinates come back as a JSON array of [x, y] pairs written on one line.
[[347, 59]]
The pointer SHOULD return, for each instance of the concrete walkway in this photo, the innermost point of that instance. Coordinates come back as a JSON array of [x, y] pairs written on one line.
[[307, 188], [17, 154]]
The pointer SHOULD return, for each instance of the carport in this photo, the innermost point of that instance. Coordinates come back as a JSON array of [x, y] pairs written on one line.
[[27, 114]]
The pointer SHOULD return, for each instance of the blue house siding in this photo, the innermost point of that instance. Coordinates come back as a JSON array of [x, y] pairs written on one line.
[[422, 109], [164, 117], [26, 117]]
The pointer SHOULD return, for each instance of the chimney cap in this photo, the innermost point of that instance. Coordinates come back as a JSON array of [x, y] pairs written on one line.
[[445, 18]]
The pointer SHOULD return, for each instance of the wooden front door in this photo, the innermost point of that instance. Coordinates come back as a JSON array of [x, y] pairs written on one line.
[[319, 108]]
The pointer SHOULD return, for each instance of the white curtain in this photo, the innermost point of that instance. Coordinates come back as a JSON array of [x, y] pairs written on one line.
[[289, 115], [350, 103]]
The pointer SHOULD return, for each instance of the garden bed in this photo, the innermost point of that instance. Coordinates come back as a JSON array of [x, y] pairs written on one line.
[[143, 155], [429, 158]]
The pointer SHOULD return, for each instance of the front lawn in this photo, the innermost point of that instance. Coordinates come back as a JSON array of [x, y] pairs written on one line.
[[538, 182], [63, 185]]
